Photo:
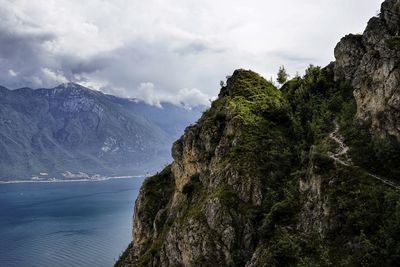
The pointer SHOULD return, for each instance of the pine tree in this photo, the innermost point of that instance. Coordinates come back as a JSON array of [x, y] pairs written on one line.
[[282, 75]]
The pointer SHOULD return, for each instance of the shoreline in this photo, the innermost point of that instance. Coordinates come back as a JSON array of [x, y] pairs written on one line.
[[70, 180]]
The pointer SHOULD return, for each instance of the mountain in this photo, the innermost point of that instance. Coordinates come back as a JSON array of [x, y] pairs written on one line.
[[171, 118], [73, 132], [307, 175]]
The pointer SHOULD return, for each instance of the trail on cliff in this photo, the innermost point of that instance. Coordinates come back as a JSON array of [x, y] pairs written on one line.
[[341, 156], [253, 182]]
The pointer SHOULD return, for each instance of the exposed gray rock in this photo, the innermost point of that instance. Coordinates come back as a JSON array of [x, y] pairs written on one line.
[[390, 14], [210, 209], [371, 63], [348, 53], [235, 197]]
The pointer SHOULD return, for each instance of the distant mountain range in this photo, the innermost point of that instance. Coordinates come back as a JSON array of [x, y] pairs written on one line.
[[71, 131]]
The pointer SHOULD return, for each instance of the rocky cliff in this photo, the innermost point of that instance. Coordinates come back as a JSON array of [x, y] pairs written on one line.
[[371, 62], [302, 176]]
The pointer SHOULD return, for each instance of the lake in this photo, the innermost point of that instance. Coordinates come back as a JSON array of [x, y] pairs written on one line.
[[66, 224]]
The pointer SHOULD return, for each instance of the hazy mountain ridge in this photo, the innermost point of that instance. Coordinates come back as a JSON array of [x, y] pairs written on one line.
[[72, 128], [307, 175]]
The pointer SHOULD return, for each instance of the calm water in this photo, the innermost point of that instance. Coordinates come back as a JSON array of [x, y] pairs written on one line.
[[66, 224]]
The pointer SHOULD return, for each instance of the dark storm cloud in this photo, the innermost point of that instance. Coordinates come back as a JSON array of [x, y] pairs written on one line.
[[21, 52], [176, 52], [27, 57], [21, 44], [76, 66]]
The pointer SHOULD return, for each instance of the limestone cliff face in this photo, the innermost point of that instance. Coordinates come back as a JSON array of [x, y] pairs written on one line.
[[216, 177], [371, 61], [285, 177]]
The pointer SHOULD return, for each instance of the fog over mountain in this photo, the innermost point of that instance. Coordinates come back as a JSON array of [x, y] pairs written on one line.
[[69, 129]]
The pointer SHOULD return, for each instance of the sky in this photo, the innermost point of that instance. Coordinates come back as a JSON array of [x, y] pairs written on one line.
[[168, 50]]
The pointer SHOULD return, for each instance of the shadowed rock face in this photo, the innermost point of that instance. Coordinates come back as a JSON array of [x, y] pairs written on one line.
[[390, 14], [371, 62]]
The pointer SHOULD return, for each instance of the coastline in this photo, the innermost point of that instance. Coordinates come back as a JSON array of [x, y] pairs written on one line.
[[70, 180]]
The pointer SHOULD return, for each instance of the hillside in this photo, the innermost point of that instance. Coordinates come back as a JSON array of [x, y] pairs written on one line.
[[307, 175], [69, 129]]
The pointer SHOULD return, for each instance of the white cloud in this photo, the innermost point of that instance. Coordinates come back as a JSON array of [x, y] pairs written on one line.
[[184, 97], [12, 73], [116, 45], [52, 77], [147, 93], [190, 97]]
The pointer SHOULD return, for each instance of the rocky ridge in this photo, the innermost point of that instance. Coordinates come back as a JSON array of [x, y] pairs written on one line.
[[371, 63], [260, 179]]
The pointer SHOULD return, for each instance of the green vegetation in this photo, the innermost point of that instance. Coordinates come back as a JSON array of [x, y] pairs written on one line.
[[276, 138], [378, 155], [122, 257], [157, 194], [246, 84], [393, 42], [157, 191], [363, 231], [315, 101], [282, 75], [277, 129]]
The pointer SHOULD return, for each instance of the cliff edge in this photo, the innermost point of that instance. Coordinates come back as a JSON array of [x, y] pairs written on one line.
[[306, 175]]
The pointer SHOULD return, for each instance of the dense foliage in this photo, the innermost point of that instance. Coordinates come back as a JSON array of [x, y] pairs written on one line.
[[363, 230], [281, 138], [157, 192]]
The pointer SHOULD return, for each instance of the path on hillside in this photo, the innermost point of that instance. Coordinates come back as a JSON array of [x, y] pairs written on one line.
[[341, 155], [343, 158]]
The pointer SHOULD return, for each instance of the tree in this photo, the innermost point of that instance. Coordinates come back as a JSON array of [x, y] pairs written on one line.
[[282, 75]]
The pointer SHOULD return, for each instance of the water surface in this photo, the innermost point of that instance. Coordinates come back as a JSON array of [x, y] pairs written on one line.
[[66, 224]]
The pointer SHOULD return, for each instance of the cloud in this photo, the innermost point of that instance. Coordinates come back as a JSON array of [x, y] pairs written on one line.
[[12, 73], [147, 94], [176, 51], [54, 77], [184, 97], [191, 97]]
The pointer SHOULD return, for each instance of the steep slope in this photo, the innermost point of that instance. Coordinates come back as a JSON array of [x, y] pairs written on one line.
[[71, 129], [170, 118], [371, 62], [215, 180], [307, 175]]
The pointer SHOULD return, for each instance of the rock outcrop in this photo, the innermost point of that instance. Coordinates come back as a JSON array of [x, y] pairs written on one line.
[[216, 177], [371, 62], [263, 179]]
